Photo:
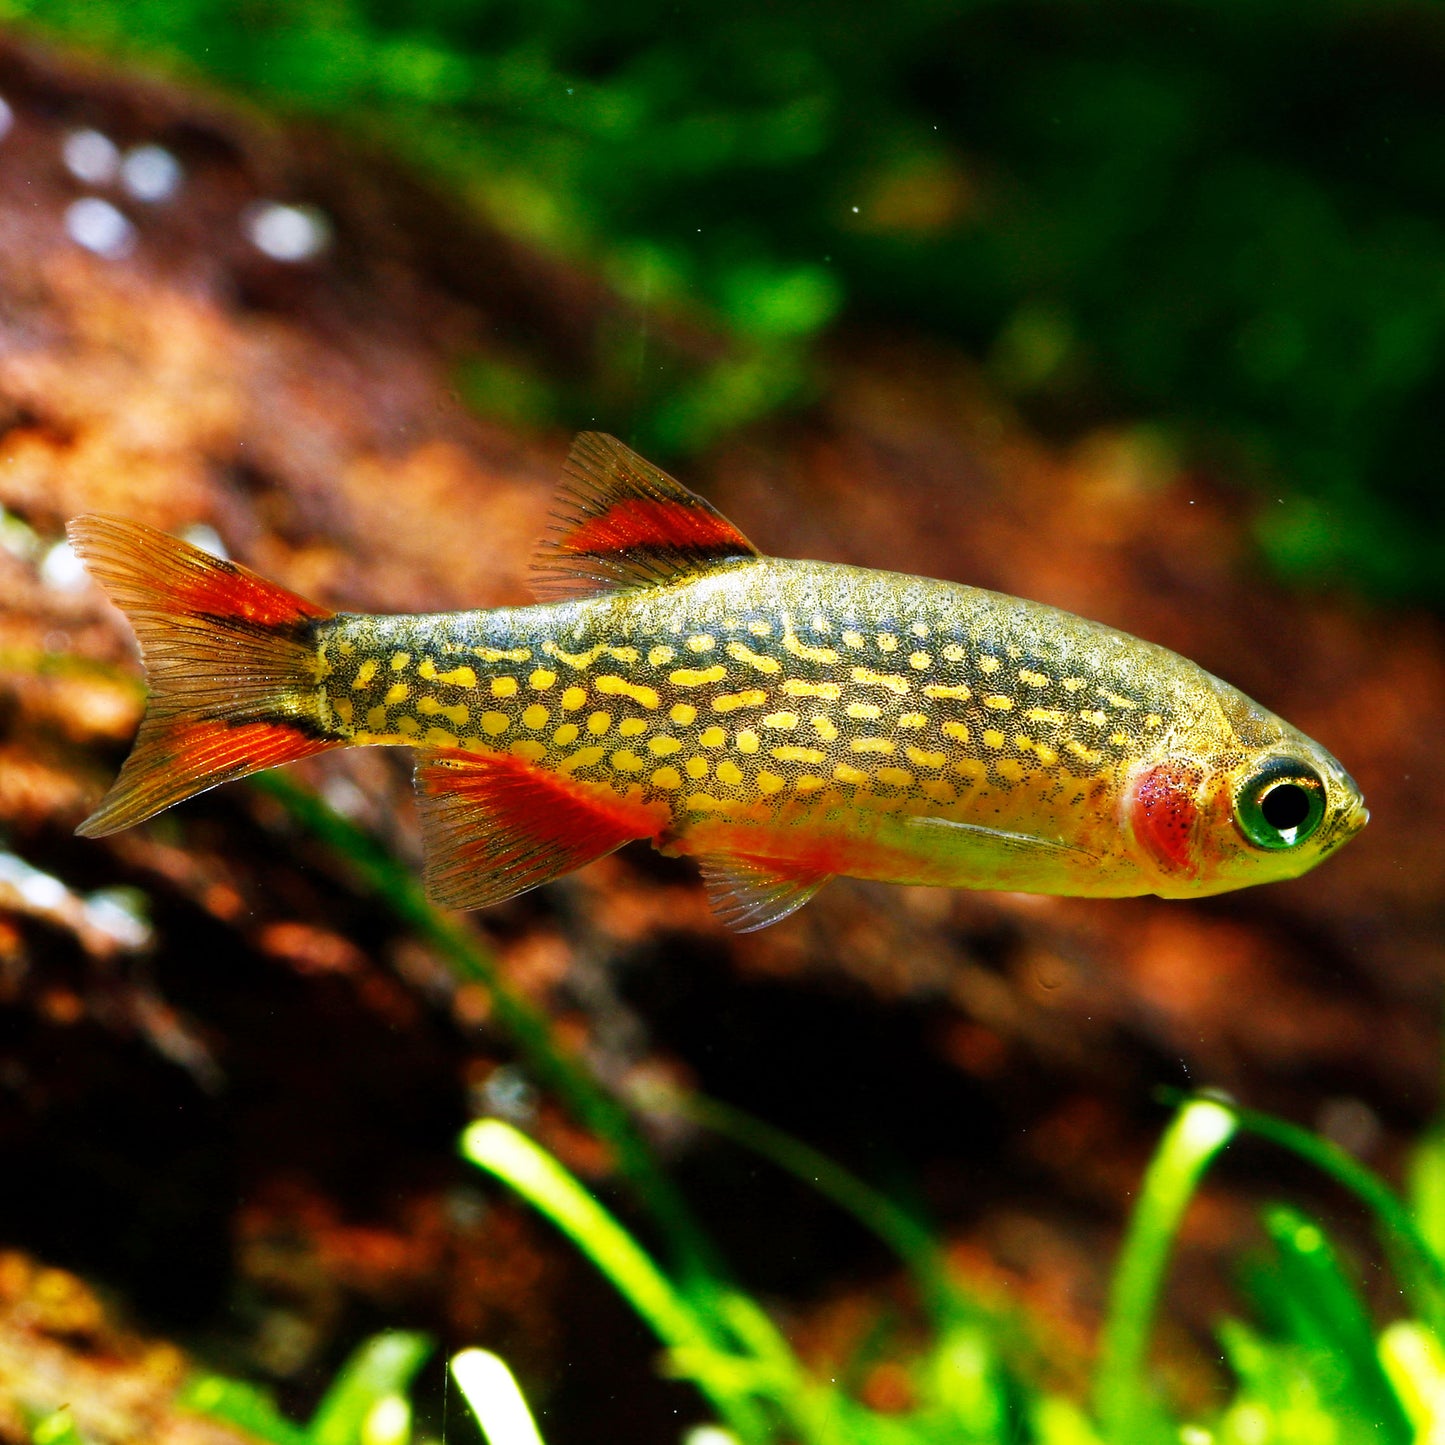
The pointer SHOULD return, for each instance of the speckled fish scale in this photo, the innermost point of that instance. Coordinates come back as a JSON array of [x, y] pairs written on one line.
[[782, 721]]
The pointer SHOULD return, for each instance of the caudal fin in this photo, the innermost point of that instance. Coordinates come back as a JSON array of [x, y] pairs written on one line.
[[230, 662]]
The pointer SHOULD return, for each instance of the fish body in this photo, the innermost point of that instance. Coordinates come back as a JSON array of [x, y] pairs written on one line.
[[781, 721]]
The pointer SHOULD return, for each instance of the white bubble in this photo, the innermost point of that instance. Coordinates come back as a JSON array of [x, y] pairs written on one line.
[[62, 569], [286, 233], [207, 538], [90, 157], [39, 890], [150, 173], [116, 912], [99, 227], [7, 118]]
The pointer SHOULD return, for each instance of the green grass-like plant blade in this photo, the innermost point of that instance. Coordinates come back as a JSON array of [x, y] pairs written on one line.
[[247, 1408], [1125, 1404], [382, 1367], [1329, 1321]]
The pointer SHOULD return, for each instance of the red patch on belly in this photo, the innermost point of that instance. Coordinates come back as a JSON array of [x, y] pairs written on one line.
[[1164, 811]]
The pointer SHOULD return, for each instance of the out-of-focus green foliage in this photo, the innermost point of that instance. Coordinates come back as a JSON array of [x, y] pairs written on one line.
[[1229, 218]]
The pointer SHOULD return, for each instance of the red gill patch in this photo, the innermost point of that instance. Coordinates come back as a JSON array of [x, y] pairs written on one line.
[[1164, 812]]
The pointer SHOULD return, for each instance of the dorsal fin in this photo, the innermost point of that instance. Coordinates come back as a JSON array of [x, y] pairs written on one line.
[[622, 522]]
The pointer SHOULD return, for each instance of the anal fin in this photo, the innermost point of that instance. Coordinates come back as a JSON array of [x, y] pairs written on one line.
[[494, 826], [750, 893]]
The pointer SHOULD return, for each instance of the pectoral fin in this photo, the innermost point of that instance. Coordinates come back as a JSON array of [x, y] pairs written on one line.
[[749, 893], [998, 841]]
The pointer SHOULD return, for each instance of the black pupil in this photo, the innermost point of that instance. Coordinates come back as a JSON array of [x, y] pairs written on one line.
[[1285, 807]]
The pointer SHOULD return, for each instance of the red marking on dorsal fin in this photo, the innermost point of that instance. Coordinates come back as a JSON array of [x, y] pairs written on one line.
[[230, 661], [751, 893], [1164, 812], [494, 825], [622, 522]]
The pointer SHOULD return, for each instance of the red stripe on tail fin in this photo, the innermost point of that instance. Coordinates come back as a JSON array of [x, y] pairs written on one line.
[[230, 661]]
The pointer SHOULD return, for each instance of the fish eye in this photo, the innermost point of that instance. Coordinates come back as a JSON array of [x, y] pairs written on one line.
[[1282, 805]]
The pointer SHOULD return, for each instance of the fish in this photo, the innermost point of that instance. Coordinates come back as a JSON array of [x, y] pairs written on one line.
[[780, 722]]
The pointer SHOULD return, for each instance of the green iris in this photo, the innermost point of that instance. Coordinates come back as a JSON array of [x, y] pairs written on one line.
[[1281, 805]]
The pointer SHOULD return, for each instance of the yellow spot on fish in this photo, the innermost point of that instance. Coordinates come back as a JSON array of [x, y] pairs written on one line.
[[783, 720], [760, 628], [458, 677], [799, 648], [998, 702], [365, 673], [825, 728], [959, 693], [939, 791], [1089, 755], [864, 710], [622, 654], [913, 720], [620, 687], [799, 755], [871, 745], [1033, 679], [1073, 684], [887, 642], [741, 652], [400, 660], [659, 655], [632, 727], [343, 709], [347, 648], [847, 773], [919, 629], [732, 701], [926, 759], [407, 726], [809, 783], [664, 746], [796, 687], [853, 639], [1153, 720], [572, 659], [896, 777], [582, 758], [702, 642], [1095, 716], [398, 692], [747, 741], [728, 772], [626, 761], [536, 716], [682, 713], [599, 722], [459, 714], [920, 660], [494, 724], [565, 735], [956, 730], [376, 718], [696, 676], [1046, 755], [992, 738], [770, 782], [1048, 715], [971, 769], [696, 767], [574, 698], [667, 778], [502, 654], [988, 664], [866, 677], [1009, 768], [954, 653], [1114, 700], [504, 686], [1119, 739], [529, 749], [540, 680], [713, 738]]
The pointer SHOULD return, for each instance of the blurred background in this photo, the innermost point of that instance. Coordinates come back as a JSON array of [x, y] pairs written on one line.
[[1135, 308]]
